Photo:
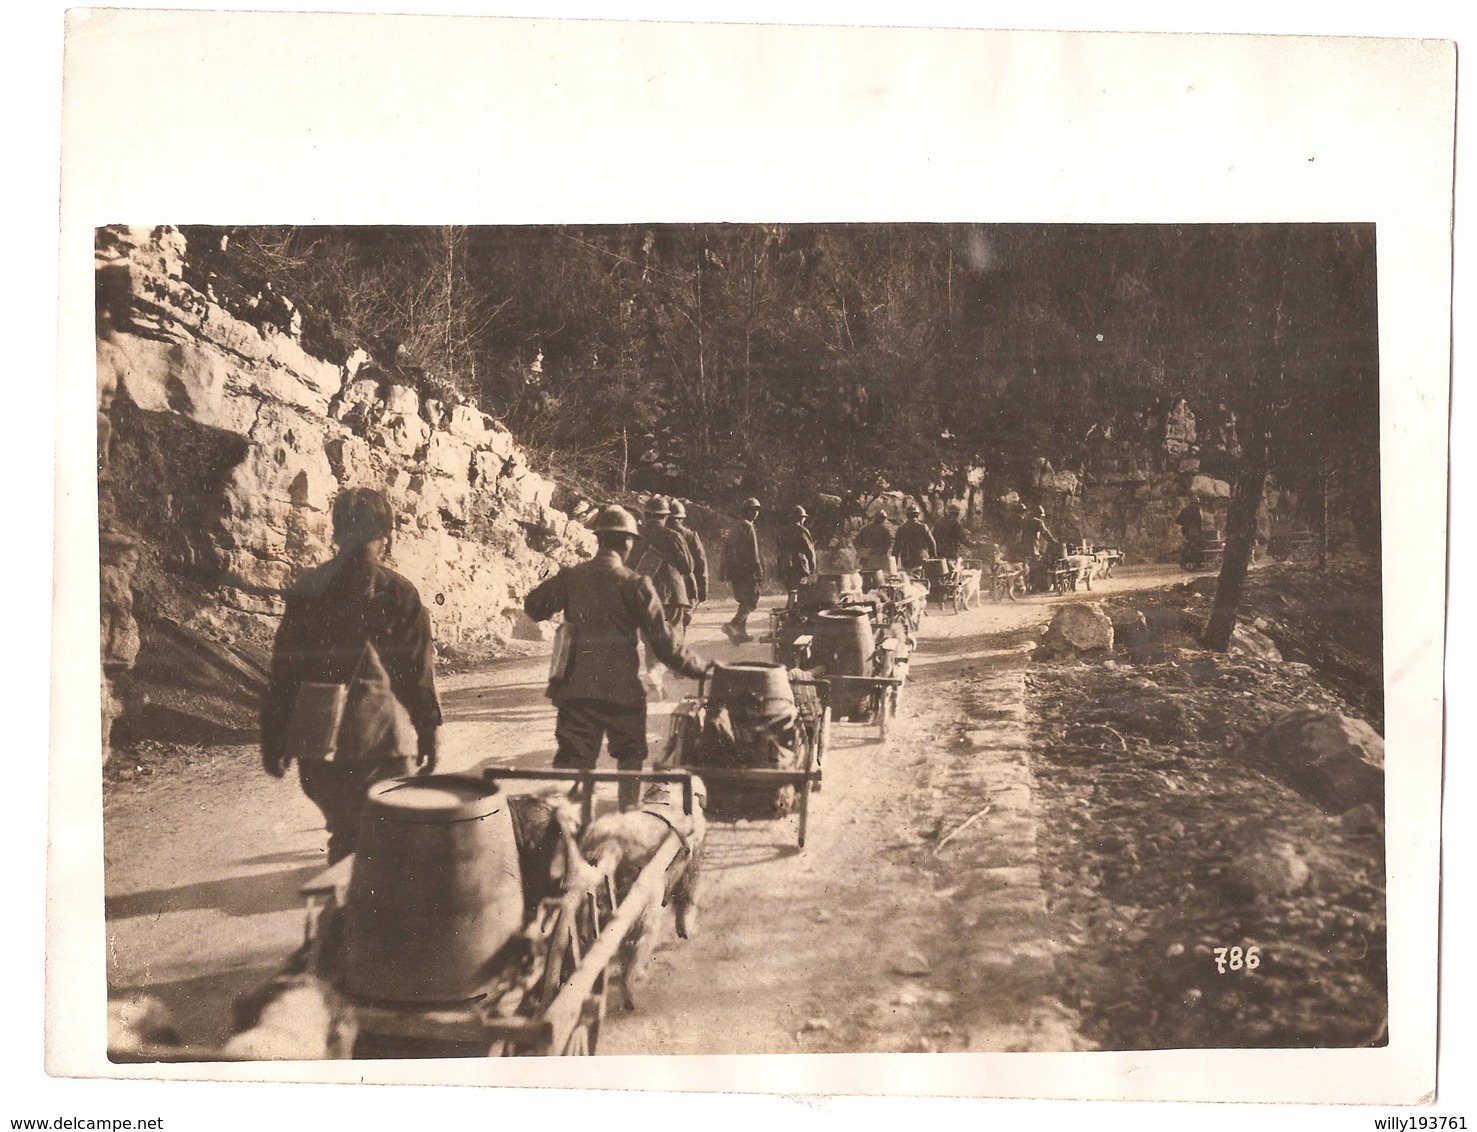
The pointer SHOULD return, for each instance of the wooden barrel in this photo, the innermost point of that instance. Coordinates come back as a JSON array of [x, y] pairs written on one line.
[[844, 641], [435, 890]]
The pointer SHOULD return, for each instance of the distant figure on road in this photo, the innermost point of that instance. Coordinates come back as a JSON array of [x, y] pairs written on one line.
[[743, 570], [697, 581], [352, 692], [796, 551], [1036, 544], [607, 607], [914, 541], [1191, 522], [874, 550]]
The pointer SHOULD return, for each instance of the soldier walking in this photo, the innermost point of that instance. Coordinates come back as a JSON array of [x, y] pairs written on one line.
[[352, 692], [952, 537], [697, 581], [743, 570], [796, 551], [874, 550], [662, 555], [914, 541], [607, 607], [1036, 540]]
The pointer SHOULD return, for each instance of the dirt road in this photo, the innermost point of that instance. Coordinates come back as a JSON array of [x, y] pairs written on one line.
[[914, 919]]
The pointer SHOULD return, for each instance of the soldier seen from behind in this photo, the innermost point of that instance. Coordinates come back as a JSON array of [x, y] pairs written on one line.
[[661, 554], [952, 537], [796, 551], [352, 692], [743, 570], [1191, 522], [914, 541], [607, 608], [874, 550], [1037, 543], [697, 586]]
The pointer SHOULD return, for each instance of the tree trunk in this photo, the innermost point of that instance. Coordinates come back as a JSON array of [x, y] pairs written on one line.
[[1240, 538]]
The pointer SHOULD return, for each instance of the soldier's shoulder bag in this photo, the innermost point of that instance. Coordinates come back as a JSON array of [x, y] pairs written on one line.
[[360, 720], [561, 657]]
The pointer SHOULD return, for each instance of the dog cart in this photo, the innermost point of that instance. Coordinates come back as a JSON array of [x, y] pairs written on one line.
[[860, 652], [442, 949], [953, 582], [756, 738]]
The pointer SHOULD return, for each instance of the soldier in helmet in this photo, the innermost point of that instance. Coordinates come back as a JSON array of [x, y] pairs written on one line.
[[1036, 543], [742, 570], [697, 581], [609, 607], [796, 551], [874, 550], [662, 555], [952, 537], [914, 541], [355, 621]]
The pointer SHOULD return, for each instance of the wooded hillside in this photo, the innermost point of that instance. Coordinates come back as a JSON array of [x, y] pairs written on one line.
[[716, 361]]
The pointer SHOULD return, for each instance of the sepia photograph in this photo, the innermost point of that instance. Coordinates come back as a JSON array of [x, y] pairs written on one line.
[[750, 559], [1008, 599]]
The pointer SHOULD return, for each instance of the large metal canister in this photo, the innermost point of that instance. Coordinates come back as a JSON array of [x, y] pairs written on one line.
[[435, 890], [844, 641], [756, 693]]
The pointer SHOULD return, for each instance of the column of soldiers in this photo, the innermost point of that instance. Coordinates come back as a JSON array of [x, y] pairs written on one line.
[[356, 622]]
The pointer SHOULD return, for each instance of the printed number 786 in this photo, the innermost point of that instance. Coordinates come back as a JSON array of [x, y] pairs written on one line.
[[1234, 959]]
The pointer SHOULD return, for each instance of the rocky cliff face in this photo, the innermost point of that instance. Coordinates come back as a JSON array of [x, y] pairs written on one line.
[[222, 443]]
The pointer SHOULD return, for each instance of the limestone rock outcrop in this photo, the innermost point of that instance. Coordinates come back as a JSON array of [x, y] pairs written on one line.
[[227, 442]]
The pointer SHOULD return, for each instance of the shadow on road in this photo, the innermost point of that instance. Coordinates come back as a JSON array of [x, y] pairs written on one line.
[[233, 896]]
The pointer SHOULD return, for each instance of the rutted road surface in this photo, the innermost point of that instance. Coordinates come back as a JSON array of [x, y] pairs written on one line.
[[913, 920]]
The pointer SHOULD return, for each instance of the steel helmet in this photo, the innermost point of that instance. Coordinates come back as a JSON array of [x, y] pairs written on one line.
[[615, 520], [913, 510], [678, 511], [798, 512], [657, 505], [361, 515], [751, 504]]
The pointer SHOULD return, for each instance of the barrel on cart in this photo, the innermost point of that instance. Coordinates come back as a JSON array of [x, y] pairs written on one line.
[[862, 658], [755, 739], [429, 934]]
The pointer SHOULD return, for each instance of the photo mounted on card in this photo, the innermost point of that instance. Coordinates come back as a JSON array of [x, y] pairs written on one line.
[[999, 483]]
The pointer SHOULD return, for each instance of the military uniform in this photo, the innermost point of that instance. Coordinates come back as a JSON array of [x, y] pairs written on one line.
[[698, 579], [951, 537], [796, 555], [609, 607], [332, 612], [744, 572], [914, 543], [661, 554], [874, 551]]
